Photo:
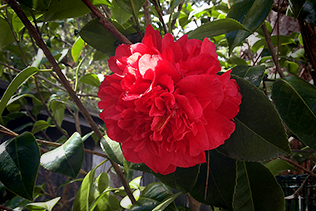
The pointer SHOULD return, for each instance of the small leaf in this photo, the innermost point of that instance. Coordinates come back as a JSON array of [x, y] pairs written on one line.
[[48, 205], [66, 159], [14, 85], [278, 166], [251, 13], [39, 126], [19, 163], [165, 203], [250, 140], [257, 189], [39, 5], [58, 109], [253, 74], [6, 34], [295, 100], [292, 67], [215, 28], [77, 48], [98, 37], [90, 79]]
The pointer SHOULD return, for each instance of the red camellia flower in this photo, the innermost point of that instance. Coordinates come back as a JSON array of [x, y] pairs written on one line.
[[165, 102]]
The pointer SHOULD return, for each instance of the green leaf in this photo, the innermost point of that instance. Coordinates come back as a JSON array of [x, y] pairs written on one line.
[[98, 37], [253, 74], [39, 5], [90, 79], [256, 189], [83, 200], [59, 10], [296, 6], [295, 100], [119, 14], [154, 195], [236, 60], [308, 12], [130, 6], [58, 109], [215, 28], [14, 85], [251, 13], [278, 166], [19, 163], [6, 34], [250, 140], [39, 126], [292, 67], [48, 205], [113, 150], [178, 181], [98, 192], [221, 181], [66, 159], [77, 48], [165, 203]]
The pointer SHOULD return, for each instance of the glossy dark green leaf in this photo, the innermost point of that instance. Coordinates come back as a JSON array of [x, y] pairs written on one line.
[[19, 163], [59, 10], [39, 5], [39, 126], [14, 85], [90, 79], [296, 6], [130, 6], [256, 189], [153, 195], [215, 28], [308, 12], [295, 100], [221, 181], [183, 179], [253, 74], [278, 166], [48, 205], [98, 37], [250, 140], [251, 13], [66, 159], [6, 34], [119, 14]]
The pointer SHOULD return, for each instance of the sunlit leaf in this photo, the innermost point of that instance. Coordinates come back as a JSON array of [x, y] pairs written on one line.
[[278, 166], [48, 205], [77, 48], [90, 79], [39, 126], [251, 13], [66, 159], [215, 28], [19, 163]]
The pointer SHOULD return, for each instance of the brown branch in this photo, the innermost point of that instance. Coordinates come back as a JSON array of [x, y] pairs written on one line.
[[108, 25], [5, 208], [298, 166], [271, 48], [160, 16], [66, 84], [146, 13]]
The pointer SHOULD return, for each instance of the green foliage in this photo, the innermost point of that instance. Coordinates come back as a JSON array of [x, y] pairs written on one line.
[[233, 177], [19, 164], [66, 159]]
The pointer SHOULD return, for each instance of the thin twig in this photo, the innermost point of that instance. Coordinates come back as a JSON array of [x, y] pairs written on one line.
[[299, 166], [5, 208], [108, 25], [160, 16], [271, 48]]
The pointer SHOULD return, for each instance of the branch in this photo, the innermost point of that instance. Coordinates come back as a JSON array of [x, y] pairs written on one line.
[[66, 84], [299, 166], [108, 25], [271, 48]]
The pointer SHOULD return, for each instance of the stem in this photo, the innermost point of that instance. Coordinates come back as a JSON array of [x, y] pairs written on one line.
[[160, 16], [65, 82], [299, 166], [271, 48], [108, 25]]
